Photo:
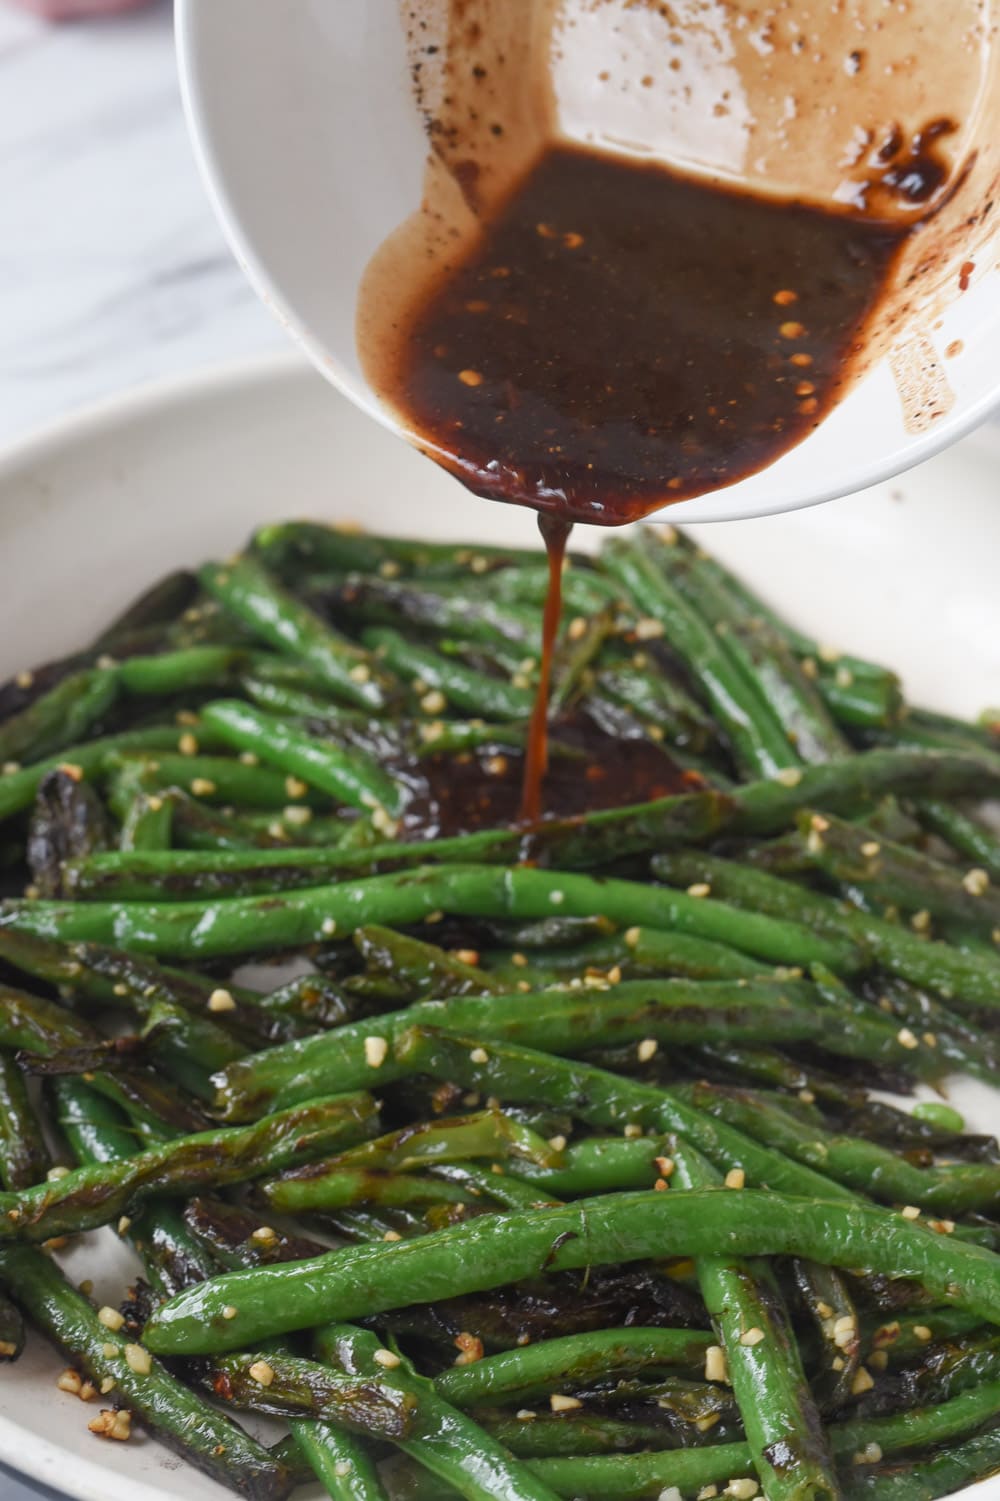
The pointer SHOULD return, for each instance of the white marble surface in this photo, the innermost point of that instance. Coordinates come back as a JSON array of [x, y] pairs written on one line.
[[112, 268]]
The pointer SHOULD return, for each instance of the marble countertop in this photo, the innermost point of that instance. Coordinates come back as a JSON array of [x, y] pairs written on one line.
[[112, 268]]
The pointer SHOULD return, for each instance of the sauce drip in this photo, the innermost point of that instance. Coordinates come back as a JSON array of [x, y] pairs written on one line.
[[555, 534]]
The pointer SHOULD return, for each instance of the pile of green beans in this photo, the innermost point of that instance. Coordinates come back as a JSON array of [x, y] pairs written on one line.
[[560, 1164]]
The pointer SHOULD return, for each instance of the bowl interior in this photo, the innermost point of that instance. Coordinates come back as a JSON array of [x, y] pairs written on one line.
[[313, 151]]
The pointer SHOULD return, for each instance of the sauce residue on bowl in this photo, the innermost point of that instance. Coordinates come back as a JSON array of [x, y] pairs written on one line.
[[595, 335]]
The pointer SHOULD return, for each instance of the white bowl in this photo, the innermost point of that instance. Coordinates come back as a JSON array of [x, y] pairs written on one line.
[[98, 507], [313, 152]]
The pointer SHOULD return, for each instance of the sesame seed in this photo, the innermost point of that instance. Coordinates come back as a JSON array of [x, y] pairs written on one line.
[[54, 1174], [716, 1368], [870, 849], [862, 1382], [700, 889], [577, 628], [261, 1372], [785, 297], [906, 1039], [523, 985], [791, 330], [807, 1097], [557, 898], [249, 758], [434, 702], [920, 922], [110, 1318], [229, 1312], [976, 882], [221, 1000], [264, 1235], [295, 787], [633, 1131], [112, 1424], [202, 786], [647, 1049], [736, 1178], [479, 1055], [328, 927], [930, 1039], [752, 1336], [470, 377], [360, 673], [632, 936], [467, 956], [343, 1467], [10, 767], [520, 961], [614, 974], [138, 1360], [297, 816], [392, 1235], [922, 1333], [557, 1143], [187, 744], [376, 1051], [559, 1403], [525, 1415], [789, 776], [869, 1455], [384, 823], [648, 629], [387, 1358]]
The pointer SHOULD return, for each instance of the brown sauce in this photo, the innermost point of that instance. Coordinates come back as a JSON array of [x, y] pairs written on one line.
[[620, 337], [484, 789]]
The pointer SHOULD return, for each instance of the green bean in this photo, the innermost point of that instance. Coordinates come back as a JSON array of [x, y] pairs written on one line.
[[296, 918], [964, 833], [350, 776], [859, 1164], [480, 1254], [758, 741], [34, 1025], [562, 1021], [60, 717], [98, 1132], [967, 980], [592, 841], [24, 1155], [97, 1194], [350, 548], [423, 967], [576, 1360], [893, 874], [389, 1401], [148, 822], [827, 1298], [783, 1429], [471, 691], [931, 1476], [638, 952], [206, 1438], [182, 671], [546, 1435], [248, 592], [224, 779], [459, 608], [340, 1463], [18, 788], [12, 1335]]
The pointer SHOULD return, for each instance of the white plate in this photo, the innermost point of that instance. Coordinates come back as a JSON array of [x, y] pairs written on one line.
[[101, 505]]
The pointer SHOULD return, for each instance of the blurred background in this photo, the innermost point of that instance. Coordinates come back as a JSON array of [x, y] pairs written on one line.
[[112, 268]]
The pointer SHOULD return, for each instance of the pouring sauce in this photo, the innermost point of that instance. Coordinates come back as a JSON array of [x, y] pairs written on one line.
[[620, 337]]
